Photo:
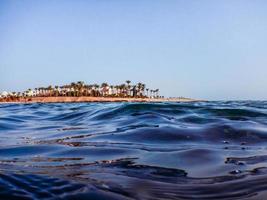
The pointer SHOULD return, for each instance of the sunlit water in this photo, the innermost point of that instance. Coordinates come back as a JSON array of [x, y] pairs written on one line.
[[206, 150]]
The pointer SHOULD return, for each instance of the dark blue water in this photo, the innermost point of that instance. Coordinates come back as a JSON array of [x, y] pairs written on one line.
[[205, 150]]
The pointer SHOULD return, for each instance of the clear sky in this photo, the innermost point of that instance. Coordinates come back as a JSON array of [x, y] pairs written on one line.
[[201, 49]]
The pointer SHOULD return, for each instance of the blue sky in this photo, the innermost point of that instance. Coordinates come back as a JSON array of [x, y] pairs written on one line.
[[201, 49]]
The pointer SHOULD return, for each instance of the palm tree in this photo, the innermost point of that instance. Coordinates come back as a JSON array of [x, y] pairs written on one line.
[[123, 88], [40, 90], [111, 87], [157, 92], [139, 87], [35, 91], [80, 87], [128, 86], [143, 89], [57, 91], [73, 87], [50, 90], [90, 87], [64, 90], [104, 88], [151, 93], [117, 87], [96, 92], [81, 83], [86, 89], [43, 91]]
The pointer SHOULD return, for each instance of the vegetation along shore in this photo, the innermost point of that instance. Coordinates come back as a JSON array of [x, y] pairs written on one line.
[[81, 92]]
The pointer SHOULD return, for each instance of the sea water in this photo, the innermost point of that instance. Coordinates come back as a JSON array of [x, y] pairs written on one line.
[[200, 150]]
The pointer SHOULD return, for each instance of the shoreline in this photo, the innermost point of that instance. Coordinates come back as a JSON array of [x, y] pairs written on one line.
[[94, 99]]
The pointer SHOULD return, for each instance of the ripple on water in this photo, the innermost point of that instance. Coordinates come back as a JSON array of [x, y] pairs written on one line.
[[199, 150]]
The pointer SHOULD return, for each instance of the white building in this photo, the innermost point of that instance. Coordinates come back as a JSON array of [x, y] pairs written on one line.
[[4, 94], [29, 93]]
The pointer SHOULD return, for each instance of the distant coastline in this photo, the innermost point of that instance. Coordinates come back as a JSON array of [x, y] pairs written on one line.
[[82, 92], [92, 99]]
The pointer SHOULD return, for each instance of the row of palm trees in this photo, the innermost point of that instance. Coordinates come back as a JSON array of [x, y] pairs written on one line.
[[77, 89]]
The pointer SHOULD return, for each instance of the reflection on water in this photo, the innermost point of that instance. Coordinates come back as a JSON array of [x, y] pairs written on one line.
[[205, 150]]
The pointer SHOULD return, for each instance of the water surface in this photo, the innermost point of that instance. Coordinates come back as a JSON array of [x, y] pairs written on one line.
[[202, 150]]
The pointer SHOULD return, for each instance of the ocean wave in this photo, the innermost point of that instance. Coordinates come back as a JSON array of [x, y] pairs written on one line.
[[197, 150]]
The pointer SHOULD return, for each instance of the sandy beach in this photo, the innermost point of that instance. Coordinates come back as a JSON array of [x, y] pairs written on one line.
[[93, 99]]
